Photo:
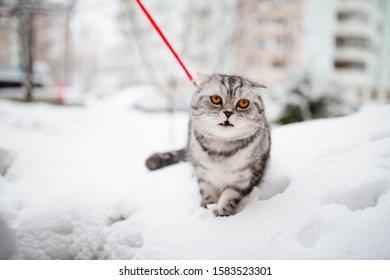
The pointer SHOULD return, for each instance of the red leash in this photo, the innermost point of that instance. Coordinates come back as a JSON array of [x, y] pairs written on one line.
[[165, 40]]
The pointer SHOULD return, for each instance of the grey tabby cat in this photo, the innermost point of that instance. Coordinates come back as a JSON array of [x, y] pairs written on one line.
[[229, 141]]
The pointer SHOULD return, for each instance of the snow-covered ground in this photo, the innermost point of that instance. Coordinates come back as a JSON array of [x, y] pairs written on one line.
[[75, 187]]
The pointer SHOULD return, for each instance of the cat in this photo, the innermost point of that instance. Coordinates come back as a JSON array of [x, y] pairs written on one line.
[[228, 141]]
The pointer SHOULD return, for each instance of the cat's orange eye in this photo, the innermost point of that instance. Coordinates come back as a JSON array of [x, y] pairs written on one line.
[[215, 99], [243, 103]]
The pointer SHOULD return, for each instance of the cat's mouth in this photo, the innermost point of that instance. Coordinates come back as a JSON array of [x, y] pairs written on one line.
[[226, 123]]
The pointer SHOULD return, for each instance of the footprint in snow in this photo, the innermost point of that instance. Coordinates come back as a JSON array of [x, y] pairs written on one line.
[[119, 213], [123, 234], [113, 219], [64, 228], [309, 234], [361, 196]]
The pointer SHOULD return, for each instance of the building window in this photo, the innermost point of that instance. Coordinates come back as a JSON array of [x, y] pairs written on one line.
[[374, 94], [284, 42], [349, 65], [273, 22], [359, 17], [271, 42], [360, 94], [204, 13], [279, 63], [356, 42]]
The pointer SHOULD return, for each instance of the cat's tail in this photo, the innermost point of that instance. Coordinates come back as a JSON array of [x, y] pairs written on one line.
[[160, 160]]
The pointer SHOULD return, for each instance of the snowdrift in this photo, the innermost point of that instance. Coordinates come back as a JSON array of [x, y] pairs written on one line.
[[77, 188]]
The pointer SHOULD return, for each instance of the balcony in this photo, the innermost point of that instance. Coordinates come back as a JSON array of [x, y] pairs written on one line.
[[354, 5], [349, 53], [350, 77], [354, 29]]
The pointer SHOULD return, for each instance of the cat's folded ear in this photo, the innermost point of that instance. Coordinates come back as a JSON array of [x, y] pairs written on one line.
[[259, 88], [203, 78], [258, 85]]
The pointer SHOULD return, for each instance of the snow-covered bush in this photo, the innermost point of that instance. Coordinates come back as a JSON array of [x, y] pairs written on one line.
[[307, 99]]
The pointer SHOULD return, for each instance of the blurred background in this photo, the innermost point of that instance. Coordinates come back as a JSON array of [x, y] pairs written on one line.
[[318, 58]]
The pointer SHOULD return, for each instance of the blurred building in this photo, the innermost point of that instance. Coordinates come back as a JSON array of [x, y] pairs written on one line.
[[8, 39], [271, 43], [194, 29], [147, 59], [362, 47], [342, 42], [345, 42], [50, 43]]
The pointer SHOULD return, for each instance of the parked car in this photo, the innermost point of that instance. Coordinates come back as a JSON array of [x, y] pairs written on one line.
[[15, 78]]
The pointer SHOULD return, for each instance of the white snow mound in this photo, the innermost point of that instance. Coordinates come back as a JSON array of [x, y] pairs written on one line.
[[78, 189]]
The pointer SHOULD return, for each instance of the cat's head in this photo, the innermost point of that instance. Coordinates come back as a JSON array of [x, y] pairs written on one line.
[[228, 107]]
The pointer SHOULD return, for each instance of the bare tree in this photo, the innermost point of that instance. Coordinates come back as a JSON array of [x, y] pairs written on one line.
[[26, 30], [26, 12]]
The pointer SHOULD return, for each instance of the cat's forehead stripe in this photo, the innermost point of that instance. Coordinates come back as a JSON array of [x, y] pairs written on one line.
[[231, 84], [225, 83], [231, 81], [240, 84]]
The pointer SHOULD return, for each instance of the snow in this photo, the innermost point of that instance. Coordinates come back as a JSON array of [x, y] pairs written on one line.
[[8, 249], [77, 188]]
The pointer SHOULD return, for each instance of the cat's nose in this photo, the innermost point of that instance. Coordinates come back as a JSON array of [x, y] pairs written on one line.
[[228, 113]]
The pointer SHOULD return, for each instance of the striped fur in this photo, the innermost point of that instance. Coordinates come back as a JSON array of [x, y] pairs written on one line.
[[228, 146]]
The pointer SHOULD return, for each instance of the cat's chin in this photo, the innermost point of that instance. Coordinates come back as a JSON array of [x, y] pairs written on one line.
[[228, 131]]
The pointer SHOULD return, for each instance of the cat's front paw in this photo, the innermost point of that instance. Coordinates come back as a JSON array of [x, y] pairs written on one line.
[[206, 201], [224, 212], [209, 196]]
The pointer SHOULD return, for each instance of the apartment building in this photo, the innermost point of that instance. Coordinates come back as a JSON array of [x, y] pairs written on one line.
[[345, 42], [362, 48], [342, 42], [269, 48]]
